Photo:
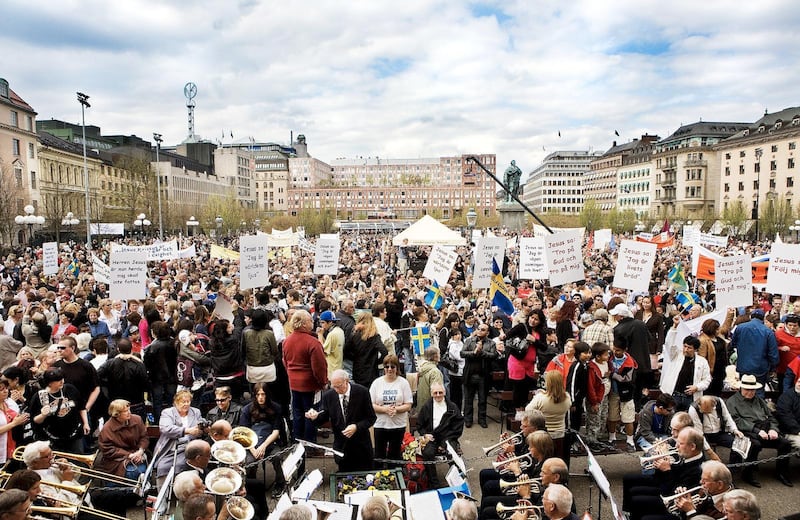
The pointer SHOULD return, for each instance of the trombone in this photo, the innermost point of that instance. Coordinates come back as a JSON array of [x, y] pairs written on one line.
[[77, 489], [650, 462], [513, 439], [73, 510], [80, 470], [505, 512], [698, 496], [512, 488], [525, 461]]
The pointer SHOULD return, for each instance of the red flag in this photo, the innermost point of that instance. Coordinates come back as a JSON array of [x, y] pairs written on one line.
[[665, 227], [590, 245]]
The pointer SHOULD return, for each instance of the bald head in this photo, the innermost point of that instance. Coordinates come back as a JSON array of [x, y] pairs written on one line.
[[220, 430], [198, 453]]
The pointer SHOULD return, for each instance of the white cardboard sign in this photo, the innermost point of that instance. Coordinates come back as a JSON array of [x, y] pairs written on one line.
[[733, 281], [440, 264], [253, 270], [485, 250], [128, 273], [49, 258], [326, 256], [564, 256], [784, 269], [102, 273], [635, 265], [533, 259]]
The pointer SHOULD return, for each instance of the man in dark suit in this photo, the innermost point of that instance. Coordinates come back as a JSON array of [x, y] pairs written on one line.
[[439, 421], [349, 408]]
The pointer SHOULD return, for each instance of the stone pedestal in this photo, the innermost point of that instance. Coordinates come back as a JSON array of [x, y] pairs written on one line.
[[512, 216]]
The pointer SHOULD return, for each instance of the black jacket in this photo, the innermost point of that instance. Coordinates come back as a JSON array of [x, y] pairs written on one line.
[[788, 412], [450, 427], [124, 378], [634, 335], [161, 361], [366, 354]]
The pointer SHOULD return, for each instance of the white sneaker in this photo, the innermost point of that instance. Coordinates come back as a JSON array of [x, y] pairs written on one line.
[[198, 384]]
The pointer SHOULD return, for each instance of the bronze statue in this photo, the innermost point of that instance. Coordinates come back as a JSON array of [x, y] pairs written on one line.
[[511, 179]]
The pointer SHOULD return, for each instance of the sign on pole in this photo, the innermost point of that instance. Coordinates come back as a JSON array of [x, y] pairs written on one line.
[[253, 270], [440, 264], [564, 256], [326, 256], [102, 273]]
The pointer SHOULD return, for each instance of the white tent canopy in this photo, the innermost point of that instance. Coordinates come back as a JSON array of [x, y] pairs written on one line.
[[428, 231]]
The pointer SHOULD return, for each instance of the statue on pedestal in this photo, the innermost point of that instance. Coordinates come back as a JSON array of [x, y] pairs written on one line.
[[511, 179]]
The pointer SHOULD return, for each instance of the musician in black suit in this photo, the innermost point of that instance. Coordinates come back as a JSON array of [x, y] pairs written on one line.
[[716, 481], [348, 406]]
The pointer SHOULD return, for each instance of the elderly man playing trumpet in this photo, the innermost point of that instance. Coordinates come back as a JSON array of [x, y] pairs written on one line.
[[706, 499]]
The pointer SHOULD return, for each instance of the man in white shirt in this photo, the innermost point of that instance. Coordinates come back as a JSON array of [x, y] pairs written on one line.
[[710, 415]]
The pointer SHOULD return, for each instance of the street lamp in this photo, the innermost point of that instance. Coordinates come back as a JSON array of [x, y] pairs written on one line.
[[141, 221], [472, 219], [243, 225], [759, 153], [796, 229], [69, 220], [257, 224], [191, 225], [219, 222], [83, 99], [29, 219], [157, 138]]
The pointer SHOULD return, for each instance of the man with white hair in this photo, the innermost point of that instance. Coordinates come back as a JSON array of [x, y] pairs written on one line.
[[557, 503], [349, 408], [462, 509], [186, 484], [375, 508], [39, 457]]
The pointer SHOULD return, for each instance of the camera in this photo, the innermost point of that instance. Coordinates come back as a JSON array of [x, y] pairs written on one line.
[[204, 425]]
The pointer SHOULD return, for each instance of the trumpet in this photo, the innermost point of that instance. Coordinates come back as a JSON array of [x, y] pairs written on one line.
[[525, 461], [513, 439], [506, 512], [698, 496], [87, 472], [650, 462], [512, 488], [658, 446]]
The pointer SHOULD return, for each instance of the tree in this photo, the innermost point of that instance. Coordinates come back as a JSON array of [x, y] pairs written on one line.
[[591, 216], [734, 217], [775, 217], [8, 203]]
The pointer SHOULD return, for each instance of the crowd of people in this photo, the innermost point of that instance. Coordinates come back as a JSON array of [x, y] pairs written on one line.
[[309, 351]]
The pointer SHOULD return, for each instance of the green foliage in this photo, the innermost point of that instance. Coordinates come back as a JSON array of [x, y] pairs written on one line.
[[734, 217], [775, 217], [591, 216]]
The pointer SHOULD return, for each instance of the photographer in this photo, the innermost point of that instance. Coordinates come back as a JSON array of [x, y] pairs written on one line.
[[35, 329], [178, 425]]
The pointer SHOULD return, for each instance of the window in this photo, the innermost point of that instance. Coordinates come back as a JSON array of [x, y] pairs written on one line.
[[31, 151], [741, 169], [741, 154], [727, 155], [15, 146], [755, 185], [790, 163], [774, 147], [772, 184], [29, 123], [773, 165], [14, 118], [33, 180], [789, 182], [727, 170], [756, 168], [792, 145], [727, 187], [18, 175], [741, 186]]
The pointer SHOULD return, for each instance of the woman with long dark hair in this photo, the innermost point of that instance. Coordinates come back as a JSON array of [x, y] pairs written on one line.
[[522, 365], [161, 361], [651, 315], [227, 358], [567, 322], [264, 416]]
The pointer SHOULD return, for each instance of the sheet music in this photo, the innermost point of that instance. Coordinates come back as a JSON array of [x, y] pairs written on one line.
[[454, 477], [337, 511], [741, 445], [456, 458], [424, 506], [306, 488], [292, 462]]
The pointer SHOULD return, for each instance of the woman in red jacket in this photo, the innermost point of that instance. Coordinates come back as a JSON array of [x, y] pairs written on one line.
[[599, 385]]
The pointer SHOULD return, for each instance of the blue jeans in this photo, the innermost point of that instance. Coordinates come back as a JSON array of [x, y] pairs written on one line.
[[303, 428]]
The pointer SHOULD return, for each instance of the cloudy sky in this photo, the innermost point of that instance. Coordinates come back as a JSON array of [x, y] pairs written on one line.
[[417, 78]]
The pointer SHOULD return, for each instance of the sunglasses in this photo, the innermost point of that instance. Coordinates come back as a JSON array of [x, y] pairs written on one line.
[[61, 347], [221, 400], [393, 367]]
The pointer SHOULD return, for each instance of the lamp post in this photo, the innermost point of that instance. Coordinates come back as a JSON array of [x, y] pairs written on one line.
[[759, 153], [29, 219], [83, 99], [191, 225], [472, 219], [796, 229], [157, 138], [257, 224], [69, 220], [243, 226], [141, 221], [219, 222]]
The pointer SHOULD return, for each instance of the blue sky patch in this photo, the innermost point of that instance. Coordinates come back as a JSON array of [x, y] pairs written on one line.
[[646, 47], [387, 67], [485, 10]]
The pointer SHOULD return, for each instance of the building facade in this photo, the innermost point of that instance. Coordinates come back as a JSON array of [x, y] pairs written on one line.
[[557, 183], [634, 176], [236, 167], [687, 170]]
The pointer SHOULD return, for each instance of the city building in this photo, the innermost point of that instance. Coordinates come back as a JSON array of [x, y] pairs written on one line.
[[557, 183], [634, 176], [372, 187], [759, 162], [687, 170], [236, 167], [600, 182], [18, 160], [306, 171]]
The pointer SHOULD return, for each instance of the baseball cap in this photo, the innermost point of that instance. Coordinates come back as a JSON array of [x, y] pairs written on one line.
[[328, 316], [757, 313], [620, 310], [133, 329]]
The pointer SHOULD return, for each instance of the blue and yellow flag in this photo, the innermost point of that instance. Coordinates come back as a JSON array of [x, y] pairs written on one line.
[[434, 298], [686, 300], [498, 291], [677, 278], [420, 339], [74, 268]]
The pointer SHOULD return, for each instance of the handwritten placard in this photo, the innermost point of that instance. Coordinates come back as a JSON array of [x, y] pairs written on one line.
[[440, 264], [602, 237], [533, 259], [128, 273], [101, 271], [253, 261], [784, 269], [733, 280], [485, 250], [49, 258], [691, 235], [154, 252], [564, 256], [635, 265], [705, 239], [189, 252], [326, 256]]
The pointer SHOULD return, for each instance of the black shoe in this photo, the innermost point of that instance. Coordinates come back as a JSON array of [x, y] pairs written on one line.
[[785, 480], [277, 490], [752, 480], [468, 424], [483, 424]]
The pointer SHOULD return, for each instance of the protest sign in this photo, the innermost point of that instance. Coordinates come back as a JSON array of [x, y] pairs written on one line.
[[602, 237], [440, 264], [564, 256], [154, 252], [733, 281], [326, 256], [532, 259], [253, 270], [189, 252], [102, 273], [704, 239], [635, 265], [487, 249], [691, 236], [784, 269], [128, 275], [49, 258]]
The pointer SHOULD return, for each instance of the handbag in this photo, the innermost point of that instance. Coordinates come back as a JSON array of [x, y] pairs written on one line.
[[184, 371], [446, 361], [517, 347], [265, 374]]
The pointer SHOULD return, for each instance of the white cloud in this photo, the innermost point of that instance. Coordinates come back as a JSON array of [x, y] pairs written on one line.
[[405, 79]]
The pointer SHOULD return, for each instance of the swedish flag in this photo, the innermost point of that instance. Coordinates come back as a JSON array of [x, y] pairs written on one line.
[[687, 300], [498, 291], [420, 339], [434, 298], [677, 278], [74, 268]]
